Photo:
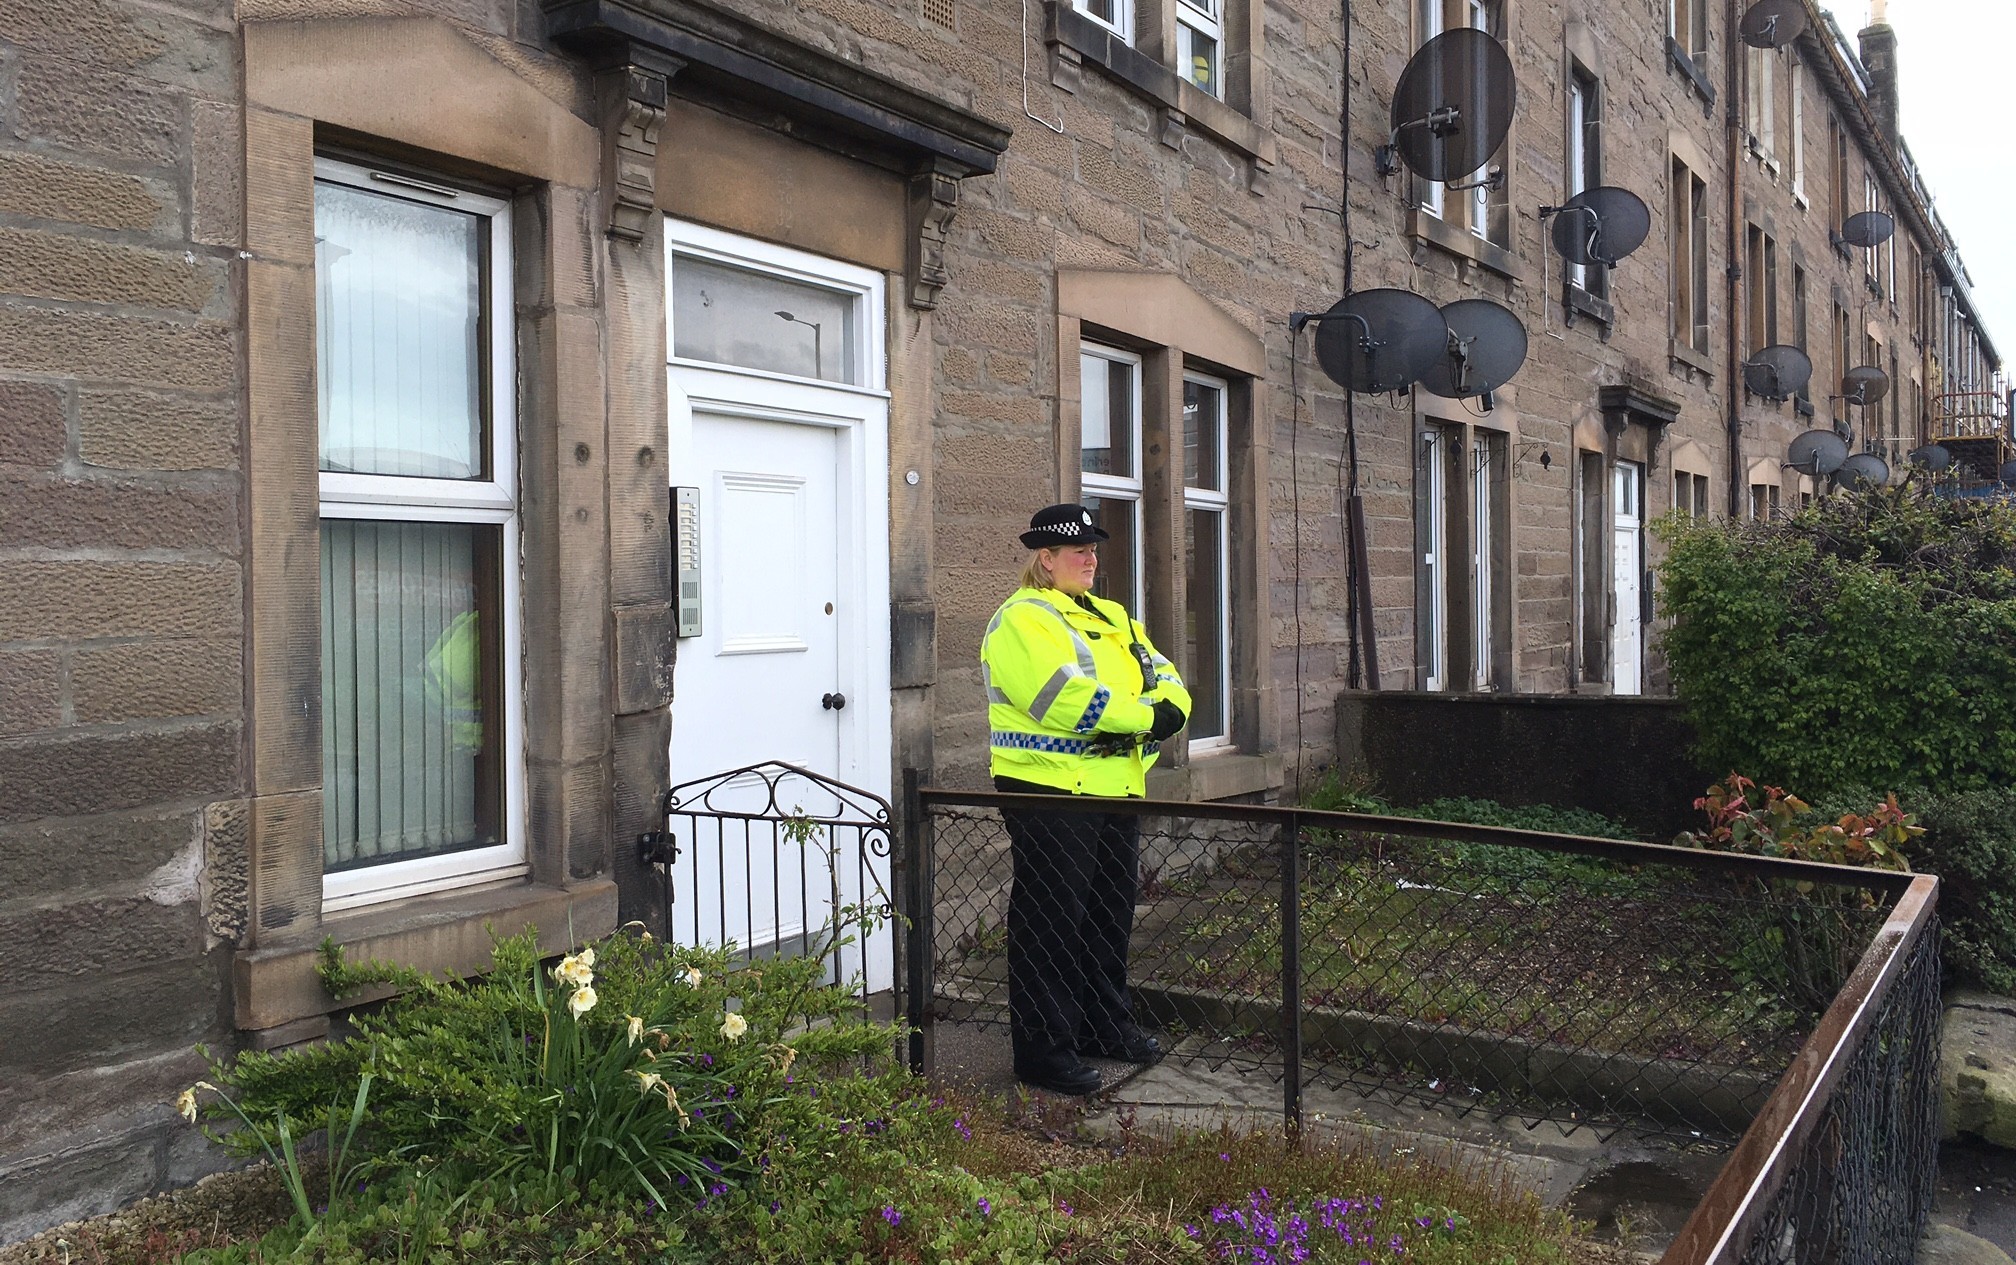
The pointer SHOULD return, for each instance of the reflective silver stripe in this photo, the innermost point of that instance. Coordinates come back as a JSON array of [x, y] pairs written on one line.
[[1047, 696], [1078, 643], [987, 679]]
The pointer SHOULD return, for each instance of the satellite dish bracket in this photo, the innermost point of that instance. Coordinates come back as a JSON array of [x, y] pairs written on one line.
[[1442, 121], [1366, 343], [1494, 182]]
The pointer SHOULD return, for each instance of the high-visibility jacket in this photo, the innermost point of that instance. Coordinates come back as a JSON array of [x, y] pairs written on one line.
[[1058, 674], [454, 675]]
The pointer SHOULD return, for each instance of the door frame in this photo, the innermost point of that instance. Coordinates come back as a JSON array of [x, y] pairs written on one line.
[[860, 415], [1631, 524]]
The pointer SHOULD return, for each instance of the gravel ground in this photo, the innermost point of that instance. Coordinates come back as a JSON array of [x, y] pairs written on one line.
[[222, 1208]]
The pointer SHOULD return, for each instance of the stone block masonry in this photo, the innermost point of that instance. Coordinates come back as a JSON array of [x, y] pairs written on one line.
[[121, 597]]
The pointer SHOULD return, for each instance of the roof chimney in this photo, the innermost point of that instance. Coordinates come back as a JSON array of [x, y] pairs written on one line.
[[1879, 58]]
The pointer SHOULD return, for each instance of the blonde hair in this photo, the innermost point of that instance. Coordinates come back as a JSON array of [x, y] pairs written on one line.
[[1035, 575]]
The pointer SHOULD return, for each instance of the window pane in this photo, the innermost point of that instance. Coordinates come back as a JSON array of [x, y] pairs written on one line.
[[1107, 11], [409, 670], [1203, 418], [1121, 519], [732, 316], [1204, 663], [399, 335], [1200, 59], [1106, 416]]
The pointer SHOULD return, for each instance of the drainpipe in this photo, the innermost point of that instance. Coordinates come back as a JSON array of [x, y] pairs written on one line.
[[1733, 383]]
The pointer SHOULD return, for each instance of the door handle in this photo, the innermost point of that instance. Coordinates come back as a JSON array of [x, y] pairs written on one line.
[[832, 702]]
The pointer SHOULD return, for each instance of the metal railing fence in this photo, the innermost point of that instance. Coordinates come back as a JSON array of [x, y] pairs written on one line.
[[1614, 986]]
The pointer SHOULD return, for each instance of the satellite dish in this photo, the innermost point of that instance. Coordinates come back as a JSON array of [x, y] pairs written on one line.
[[1600, 225], [1865, 385], [1777, 373], [1863, 470], [1868, 228], [1773, 23], [1380, 340], [1933, 457], [1816, 453], [1487, 344], [1453, 105]]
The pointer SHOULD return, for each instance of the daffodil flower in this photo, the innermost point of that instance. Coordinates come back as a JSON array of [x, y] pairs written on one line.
[[582, 1001], [576, 970], [734, 1026], [185, 1102], [648, 1081], [693, 977], [636, 1028]]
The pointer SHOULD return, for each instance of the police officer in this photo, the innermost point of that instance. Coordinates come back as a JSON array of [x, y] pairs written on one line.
[[1079, 702]]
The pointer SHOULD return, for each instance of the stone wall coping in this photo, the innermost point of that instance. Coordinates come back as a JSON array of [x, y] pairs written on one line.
[[277, 984], [1426, 699]]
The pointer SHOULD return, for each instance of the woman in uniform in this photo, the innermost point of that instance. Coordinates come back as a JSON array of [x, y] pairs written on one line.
[[1079, 703]]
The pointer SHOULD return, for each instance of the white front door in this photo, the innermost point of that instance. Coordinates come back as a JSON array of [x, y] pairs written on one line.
[[1627, 631], [762, 677], [778, 425]]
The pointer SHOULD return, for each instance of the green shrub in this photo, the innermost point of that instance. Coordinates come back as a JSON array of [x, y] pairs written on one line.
[[1970, 843], [1867, 640], [631, 1064]]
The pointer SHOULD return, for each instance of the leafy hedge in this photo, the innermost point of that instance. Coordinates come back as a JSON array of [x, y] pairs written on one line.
[[1868, 640]]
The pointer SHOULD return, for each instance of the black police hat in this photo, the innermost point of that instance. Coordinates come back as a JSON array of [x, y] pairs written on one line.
[[1062, 525]]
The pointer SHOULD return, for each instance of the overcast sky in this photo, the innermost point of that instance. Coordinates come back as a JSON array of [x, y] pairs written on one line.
[[1958, 102]]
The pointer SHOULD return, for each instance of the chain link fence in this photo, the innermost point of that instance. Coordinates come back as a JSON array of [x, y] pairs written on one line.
[[1597, 984]]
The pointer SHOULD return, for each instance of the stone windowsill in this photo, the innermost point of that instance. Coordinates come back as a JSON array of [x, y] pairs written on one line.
[[1215, 775], [276, 984], [1692, 71], [1464, 244], [1686, 355], [1148, 78], [1580, 302]]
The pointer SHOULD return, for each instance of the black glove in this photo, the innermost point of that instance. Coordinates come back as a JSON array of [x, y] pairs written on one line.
[[1168, 719]]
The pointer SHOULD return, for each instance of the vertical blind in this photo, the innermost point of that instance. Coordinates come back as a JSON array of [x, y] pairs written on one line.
[[404, 663], [399, 305]]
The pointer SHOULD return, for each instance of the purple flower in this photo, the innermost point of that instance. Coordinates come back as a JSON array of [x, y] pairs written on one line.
[[986, 1209], [890, 1215], [1065, 1208], [964, 1132], [718, 1188], [774, 1205]]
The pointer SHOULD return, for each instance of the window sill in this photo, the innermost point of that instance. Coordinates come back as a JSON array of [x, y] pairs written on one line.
[[276, 985], [1075, 38], [1219, 774], [1580, 302], [1692, 72], [1687, 355], [1464, 244]]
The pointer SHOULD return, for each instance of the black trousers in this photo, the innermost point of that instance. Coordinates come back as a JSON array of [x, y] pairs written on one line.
[[1070, 916]]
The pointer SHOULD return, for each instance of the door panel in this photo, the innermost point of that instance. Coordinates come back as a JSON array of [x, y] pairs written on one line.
[[749, 689]]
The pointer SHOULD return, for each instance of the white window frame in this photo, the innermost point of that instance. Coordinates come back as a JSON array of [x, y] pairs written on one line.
[[491, 502], [1218, 502], [1123, 12], [1201, 17], [1584, 90], [1435, 557], [1432, 22], [1797, 75], [1483, 591], [1123, 488]]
